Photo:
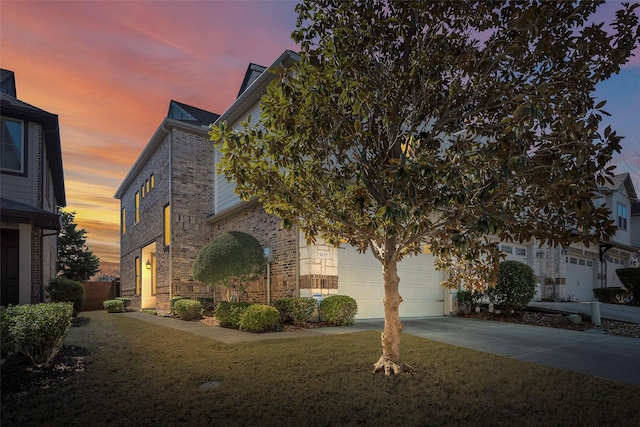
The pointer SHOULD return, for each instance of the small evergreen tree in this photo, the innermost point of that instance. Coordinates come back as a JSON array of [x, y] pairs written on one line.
[[75, 259]]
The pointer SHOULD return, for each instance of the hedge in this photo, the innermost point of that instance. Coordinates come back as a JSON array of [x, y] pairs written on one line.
[[339, 310], [188, 309], [260, 318], [64, 290], [296, 310]]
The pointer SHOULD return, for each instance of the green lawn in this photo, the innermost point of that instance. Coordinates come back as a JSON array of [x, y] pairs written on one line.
[[144, 375]]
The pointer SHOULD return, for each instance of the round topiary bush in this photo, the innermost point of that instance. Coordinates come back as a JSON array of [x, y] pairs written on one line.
[[188, 309], [339, 310], [64, 290], [113, 306], [516, 286], [260, 318]]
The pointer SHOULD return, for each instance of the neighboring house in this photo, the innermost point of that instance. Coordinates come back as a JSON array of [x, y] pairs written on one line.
[[31, 189], [164, 201], [635, 230]]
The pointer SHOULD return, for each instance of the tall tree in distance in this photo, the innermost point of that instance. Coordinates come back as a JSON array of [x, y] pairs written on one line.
[[447, 124], [75, 259]]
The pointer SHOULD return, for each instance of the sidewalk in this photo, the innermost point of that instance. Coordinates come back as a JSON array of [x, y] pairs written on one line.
[[601, 355]]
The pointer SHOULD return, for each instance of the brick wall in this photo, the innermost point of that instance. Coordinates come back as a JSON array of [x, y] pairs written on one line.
[[266, 228]]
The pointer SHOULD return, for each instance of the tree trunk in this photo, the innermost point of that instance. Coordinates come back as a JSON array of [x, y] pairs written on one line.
[[391, 361]]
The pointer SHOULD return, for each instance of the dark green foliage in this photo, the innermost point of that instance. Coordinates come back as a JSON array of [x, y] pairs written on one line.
[[339, 310], [260, 318], [233, 260], [610, 295], [229, 313], [75, 259], [515, 287], [469, 300], [296, 310], [7, 345], [113, 306], [188, 309], [630, 278], [65, 290], [38, 330]]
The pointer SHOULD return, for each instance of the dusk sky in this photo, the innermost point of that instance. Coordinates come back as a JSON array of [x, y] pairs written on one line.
[[108, 69]]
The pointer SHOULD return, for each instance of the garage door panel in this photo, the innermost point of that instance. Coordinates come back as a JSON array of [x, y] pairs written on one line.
[[579, 281], [360, 276]]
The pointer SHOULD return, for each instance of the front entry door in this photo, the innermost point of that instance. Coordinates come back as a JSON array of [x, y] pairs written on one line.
[[10, 267]]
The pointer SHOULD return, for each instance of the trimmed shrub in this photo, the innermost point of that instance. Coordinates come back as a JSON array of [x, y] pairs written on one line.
[[207, 303], [188, 309], [468, 300], [113, 306], [7, 346], [64, 290], [229, 313], [339, 310], [38, 330], [260, 318], [173, 302], [295, 310], [630, 278], [516, 286], [126, 302], [610, 295]]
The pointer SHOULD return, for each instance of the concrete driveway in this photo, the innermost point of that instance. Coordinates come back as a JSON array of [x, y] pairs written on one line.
[[624, 313]]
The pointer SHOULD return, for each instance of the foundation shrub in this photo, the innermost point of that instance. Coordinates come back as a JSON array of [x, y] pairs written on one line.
[[515, 287], [468, 300], [630, 278], [61, 289], [113, 306], [126, 302], [339, 310], [260, 318], [173, 302], [228, 314], [38, 330], [7, 345], [207, 303], [188, 309], [610, 295], [295, 310]]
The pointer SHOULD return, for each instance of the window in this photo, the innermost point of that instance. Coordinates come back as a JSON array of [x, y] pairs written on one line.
[[573, 261], [153, 181], [506, 249], [142, 191], [137, 217], [622, 216], [167, 225], [123, 221], [521, 252], [589, 263], [12, 146], [137, 275], [581, 261], [147, 186]]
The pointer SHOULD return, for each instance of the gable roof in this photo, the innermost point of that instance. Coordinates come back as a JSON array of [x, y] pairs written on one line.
[[189, 114], [618, 182], [253, 72]]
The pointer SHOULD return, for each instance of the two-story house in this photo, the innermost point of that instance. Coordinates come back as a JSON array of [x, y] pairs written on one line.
[[31, 189], [164, 201]]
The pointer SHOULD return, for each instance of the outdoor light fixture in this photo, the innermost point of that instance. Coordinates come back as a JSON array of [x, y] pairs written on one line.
[[148, 265]]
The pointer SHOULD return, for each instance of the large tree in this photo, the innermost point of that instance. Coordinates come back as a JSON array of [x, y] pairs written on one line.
[[75, 259], [407, 124]]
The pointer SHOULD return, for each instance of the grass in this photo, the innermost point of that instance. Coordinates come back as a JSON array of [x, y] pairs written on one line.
[[145, 375]]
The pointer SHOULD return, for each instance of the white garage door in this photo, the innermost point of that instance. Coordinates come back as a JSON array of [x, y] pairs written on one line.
[[360, 276], [579, 285]]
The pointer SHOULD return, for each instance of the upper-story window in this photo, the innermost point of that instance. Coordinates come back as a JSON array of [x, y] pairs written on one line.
[[12, 146], [137, 212], [622, 216], [123, 222]]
